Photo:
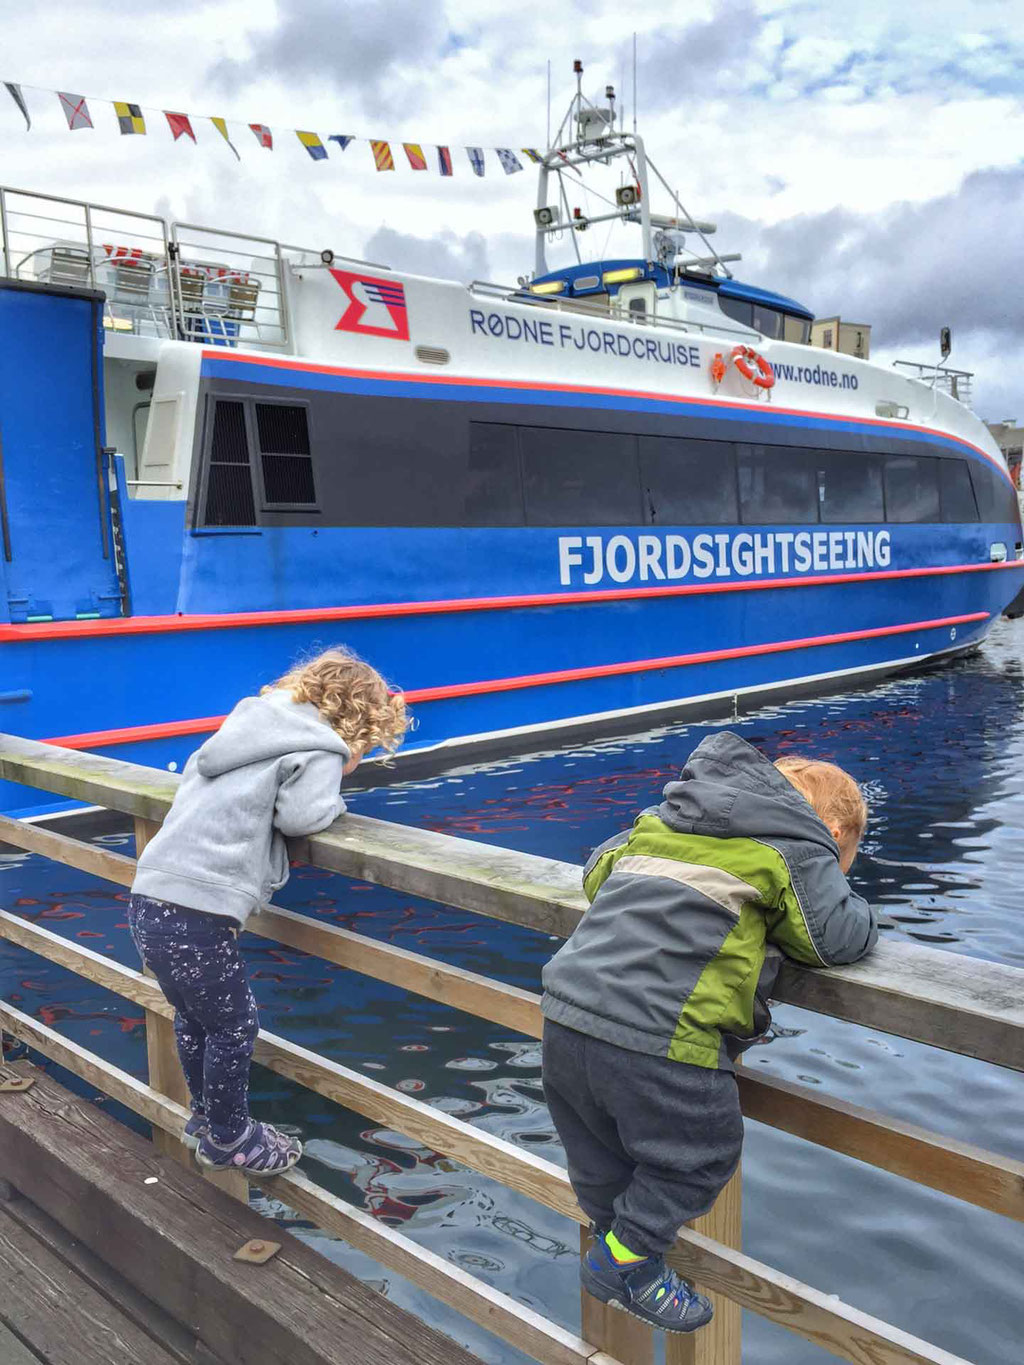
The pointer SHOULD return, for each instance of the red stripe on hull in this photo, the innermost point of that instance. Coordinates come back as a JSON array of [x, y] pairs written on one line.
[[98, 739], [156, 625]]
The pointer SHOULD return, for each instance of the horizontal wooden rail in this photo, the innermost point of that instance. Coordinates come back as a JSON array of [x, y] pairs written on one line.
[[961, 1004], [942, 1163], [821, 1318]]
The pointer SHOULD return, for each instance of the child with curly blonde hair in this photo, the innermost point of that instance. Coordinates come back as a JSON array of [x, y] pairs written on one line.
[[273, 769]]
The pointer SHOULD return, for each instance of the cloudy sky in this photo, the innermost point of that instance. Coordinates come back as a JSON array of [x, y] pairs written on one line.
[[866, 158]]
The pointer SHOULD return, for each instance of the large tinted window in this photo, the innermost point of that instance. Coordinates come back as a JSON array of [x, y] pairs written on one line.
[[283, 433], [849, 487], [768, 321], [740, 310], [996, 499], [688, 483], [491, 488], [956, 493], [579, 478], [777, 484], [911, 488]]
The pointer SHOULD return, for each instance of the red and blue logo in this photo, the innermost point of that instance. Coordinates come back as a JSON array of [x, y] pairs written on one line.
[[376, 307]]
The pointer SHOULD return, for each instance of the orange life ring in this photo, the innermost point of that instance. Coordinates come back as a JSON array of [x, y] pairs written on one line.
[[743, 357]]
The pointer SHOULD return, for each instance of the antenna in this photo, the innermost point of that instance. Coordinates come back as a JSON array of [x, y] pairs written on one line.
[[634, 81], [547, 145]]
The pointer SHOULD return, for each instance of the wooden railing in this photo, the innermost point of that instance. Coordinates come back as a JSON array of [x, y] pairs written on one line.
[[963, 1005]]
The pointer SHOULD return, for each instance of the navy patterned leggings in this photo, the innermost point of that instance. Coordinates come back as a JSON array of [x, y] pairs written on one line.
[[195, 958]]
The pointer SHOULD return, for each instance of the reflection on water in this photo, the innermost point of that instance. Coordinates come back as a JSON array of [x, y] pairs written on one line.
[[942, 759]]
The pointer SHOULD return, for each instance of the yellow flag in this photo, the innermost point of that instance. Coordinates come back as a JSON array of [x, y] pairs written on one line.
[[222, 128]]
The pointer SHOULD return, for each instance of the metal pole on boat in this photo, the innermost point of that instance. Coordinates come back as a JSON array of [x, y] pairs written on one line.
[[634, 81]]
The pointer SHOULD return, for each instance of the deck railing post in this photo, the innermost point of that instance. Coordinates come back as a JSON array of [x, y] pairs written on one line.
[[165, 1074], [719, 1342]]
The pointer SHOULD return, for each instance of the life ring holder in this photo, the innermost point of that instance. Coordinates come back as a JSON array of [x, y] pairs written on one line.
[[751, 365]]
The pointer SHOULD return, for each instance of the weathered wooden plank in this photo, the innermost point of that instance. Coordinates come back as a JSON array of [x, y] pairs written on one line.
[[720, 1342], [64, 1319], [821, 1318], [963, 1005], [986, 1179], [100, 862], [174, 1239], [178, 1340]]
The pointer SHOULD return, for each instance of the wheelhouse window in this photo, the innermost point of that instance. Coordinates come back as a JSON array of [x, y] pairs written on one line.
[[849, 487], [688, 483], [777, 485], [588, 478], [912, 488]]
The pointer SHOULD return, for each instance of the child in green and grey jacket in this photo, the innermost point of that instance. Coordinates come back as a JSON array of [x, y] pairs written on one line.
[[667, 978]]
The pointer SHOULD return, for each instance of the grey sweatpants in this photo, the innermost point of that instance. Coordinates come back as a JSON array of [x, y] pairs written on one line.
[[650, 1143]]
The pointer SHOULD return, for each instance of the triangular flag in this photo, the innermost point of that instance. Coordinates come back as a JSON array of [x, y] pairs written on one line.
[[414, 152], [76, 111], [180, 125], [263, 135], [129, 117], [222, 128], [313, 145], [342, 139], [510, 162], [533, 153], [382, 156], [476, 159], [19, 99], [444, 160]]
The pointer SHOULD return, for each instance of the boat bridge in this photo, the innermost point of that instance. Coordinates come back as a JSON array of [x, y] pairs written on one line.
[[66, 1181]]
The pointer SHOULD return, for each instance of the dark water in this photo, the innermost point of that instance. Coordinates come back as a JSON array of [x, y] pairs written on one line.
[[942, 759]]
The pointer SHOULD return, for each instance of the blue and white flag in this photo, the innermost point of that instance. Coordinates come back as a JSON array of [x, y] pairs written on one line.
[[342, 139], [509, 161], [476, 159]]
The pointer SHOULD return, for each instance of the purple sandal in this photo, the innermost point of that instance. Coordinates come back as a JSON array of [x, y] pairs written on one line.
[[261, 1149]]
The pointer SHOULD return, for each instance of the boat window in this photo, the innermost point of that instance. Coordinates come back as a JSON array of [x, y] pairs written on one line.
[[491, 488], [283, 431], [740, 310], [229, 499], [579, 478], [796, 329], [849, 487], [911, 488], [997, 501], [777, 485], [956, 493], [688, 483], [768, 321]]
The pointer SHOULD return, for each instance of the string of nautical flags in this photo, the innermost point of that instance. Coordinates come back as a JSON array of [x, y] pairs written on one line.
[[132, 122]]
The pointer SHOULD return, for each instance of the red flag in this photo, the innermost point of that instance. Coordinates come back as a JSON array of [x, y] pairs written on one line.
[[263, 135], [179, 125]]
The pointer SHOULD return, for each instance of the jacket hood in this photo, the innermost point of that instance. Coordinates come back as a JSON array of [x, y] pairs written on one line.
[[264, 728], [728, 788]]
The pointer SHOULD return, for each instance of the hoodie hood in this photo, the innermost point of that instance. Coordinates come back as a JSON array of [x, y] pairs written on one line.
[[728, 789], [262, 729]]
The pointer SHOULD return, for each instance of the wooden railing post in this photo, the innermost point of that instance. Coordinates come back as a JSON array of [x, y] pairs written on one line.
[[719, 1342], [165, 1074], [612, 1331]]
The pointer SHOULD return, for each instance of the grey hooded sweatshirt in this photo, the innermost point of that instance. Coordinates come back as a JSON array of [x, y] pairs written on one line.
[[274, 768]]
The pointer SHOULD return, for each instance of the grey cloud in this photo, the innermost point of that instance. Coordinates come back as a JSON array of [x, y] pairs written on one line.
[[447, 255], [355, 48], [954, 260], [677, 62]]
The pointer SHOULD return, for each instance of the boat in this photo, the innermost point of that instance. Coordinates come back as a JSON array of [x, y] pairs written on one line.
[[617, 491]]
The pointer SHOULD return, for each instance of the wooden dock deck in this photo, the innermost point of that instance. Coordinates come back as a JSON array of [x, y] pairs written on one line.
[[113, 1254]]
